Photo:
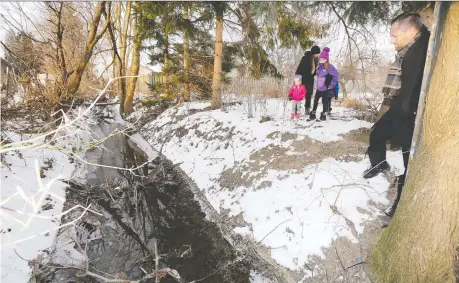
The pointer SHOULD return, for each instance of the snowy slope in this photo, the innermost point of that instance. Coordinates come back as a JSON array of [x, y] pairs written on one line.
[[18, 173], [32, 198], [287, 180]]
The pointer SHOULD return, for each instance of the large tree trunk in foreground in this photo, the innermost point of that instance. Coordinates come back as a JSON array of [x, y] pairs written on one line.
[[217, 77], [135, 63], [420, 243]]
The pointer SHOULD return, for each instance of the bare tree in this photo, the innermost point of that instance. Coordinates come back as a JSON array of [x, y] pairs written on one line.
[[59, 33]]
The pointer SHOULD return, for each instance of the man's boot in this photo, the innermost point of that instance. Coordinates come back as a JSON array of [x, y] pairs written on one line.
[[378, 164]]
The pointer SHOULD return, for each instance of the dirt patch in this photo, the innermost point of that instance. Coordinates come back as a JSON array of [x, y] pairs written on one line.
[[274, 135], [359, 135], [288, 136], [265, 184], [295, 158], [265, 119], [217, 133], [181, 132], [47, 206]]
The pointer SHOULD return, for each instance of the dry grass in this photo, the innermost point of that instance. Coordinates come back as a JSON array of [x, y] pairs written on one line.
[[364, 111], [354, 104], [274, 91]]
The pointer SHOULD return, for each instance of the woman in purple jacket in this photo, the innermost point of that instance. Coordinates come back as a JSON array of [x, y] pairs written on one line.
[[327, 78]]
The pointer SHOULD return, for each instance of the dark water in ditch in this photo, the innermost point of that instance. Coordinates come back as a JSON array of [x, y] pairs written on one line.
[[154, 208]]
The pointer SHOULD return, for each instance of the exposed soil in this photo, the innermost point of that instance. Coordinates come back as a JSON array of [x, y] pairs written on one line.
[[301, 153]]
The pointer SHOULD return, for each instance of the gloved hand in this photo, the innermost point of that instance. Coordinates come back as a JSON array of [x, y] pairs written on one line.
[[289, 98], [336, 97]]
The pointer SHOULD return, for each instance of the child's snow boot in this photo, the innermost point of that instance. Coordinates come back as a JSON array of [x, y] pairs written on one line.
[[298, 115], [292, 116]]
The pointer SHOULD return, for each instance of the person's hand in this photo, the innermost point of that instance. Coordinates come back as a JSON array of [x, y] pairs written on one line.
[[289, 98], [336, 98]]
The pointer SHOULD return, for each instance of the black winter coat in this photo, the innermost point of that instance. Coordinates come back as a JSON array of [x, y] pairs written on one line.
[[403, 108], [304, 69]]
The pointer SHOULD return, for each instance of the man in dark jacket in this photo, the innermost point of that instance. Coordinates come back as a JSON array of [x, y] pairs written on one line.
[[306, 69], [401, 93]]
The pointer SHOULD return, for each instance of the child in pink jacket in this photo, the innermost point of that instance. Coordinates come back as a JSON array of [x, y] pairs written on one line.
[[296, 94]]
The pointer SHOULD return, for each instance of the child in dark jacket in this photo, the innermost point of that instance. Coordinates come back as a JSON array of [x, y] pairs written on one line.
[[296, 94]]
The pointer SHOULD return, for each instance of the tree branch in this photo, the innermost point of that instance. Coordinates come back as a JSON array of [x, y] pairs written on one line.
[[345, 28]]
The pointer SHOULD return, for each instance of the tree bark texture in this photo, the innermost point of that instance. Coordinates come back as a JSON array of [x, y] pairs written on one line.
[[135, 63], [217, 76], [421, 241], [93, 37]]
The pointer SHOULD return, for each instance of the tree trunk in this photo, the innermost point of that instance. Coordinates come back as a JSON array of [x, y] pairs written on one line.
[[419, 244], [61, 61], [123, 27], [166, 70], [114, 26], [123, 45], [217, 77], [186, 57], [135, 63], [118, 65], [93, 37]]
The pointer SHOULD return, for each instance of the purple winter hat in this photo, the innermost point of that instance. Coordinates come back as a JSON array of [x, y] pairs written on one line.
[[324, 53]]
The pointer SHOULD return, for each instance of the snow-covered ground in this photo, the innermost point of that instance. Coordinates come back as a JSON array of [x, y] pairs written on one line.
[[33, 186], [286, 178], [294, 186], [29, 227]]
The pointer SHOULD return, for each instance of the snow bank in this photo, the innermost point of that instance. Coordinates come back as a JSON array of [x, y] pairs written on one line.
[[18, 173], [25, 237], [295, 212]]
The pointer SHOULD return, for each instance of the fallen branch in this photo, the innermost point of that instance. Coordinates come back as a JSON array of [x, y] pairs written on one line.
[[342, 265], [274, 230]]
